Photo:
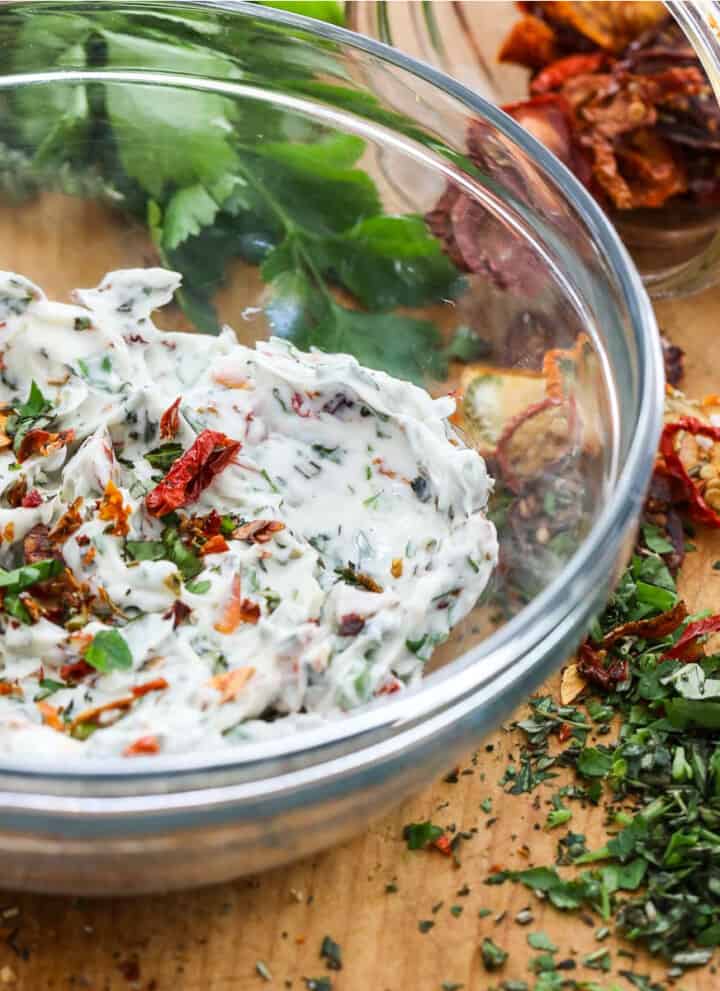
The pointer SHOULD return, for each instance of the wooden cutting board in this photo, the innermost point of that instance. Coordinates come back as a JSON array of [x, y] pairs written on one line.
[[211, 940]]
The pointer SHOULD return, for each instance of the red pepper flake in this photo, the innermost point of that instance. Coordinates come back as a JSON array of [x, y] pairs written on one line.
[[6, 688], [391, 686], [699, 509], [237, 610], [113, 511], [76, 671], [350, 625], [191, 474], [442, 843], [69, 522], [43, 443], [144, 746], [564, 733], [156, 685], [179, 612], [258, 531], [595, 666], [170, 420], [214, 545], [687, 647], [32, 500], [297, 404]]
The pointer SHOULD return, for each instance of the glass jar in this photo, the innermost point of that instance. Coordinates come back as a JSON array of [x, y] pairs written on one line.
[[676, 247]]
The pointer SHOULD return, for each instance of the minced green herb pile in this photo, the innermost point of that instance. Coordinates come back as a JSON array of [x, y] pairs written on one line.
[[649, 751]]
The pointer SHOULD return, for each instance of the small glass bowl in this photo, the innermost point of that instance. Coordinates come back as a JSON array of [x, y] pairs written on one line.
[[549, 280]]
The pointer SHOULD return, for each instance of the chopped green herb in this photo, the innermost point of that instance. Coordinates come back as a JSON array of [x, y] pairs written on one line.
[[493, 957], [418, 835], [165, 456], [332, 954], [425, 925], [108, 652]]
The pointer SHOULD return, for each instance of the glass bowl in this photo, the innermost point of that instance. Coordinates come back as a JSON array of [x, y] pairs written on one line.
[[110, 110], [676, 247]]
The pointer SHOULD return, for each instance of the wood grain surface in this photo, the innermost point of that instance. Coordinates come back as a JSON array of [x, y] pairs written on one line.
[[211, 940]]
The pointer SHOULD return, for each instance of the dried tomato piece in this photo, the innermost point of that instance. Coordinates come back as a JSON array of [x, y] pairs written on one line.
[[76, 671], [549, 118], [603, 670], [538, 437], [687, 647], [700, 493], [609, 25], [170, 420], [531, 43], [191, 474], [38, 545], [653, 173], [553, 76], [654, 628]]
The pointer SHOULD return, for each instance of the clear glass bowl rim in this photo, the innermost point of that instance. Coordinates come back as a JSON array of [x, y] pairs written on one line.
[[459, 679]]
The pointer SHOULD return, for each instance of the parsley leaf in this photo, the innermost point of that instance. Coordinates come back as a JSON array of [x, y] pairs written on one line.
[[27, 575], [109, 652], [165, 456], [418, 835], [30, 415]]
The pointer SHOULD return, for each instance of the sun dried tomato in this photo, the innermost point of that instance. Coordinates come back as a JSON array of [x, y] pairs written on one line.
[[554, 75], [531, 43], [687, 647], [654, 628], [535, 439], [76, 671], [170, 420], [603, 670], [191, 474], [699, 509], [214, 545]]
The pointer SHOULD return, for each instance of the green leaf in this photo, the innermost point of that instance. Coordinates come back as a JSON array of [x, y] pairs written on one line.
[[541, 941], [393, 261], [684, 713], [313, 184], [467, 346], [48, 687], [198, 588], [109, 652], [655, 540], [165, 456], [26, 576], [188, 564], [145, 550], [594, 763], [168, 134], [32, 414], [401, 346], [493, 956], [320, 10], [187, 213], [418, 835], [627, 877]]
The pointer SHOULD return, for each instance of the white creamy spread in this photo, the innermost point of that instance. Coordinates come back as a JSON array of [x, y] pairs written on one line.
[[341, 539]]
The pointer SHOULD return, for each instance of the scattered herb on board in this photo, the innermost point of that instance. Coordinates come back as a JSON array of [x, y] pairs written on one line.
[[418, 835], [331, 953]]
